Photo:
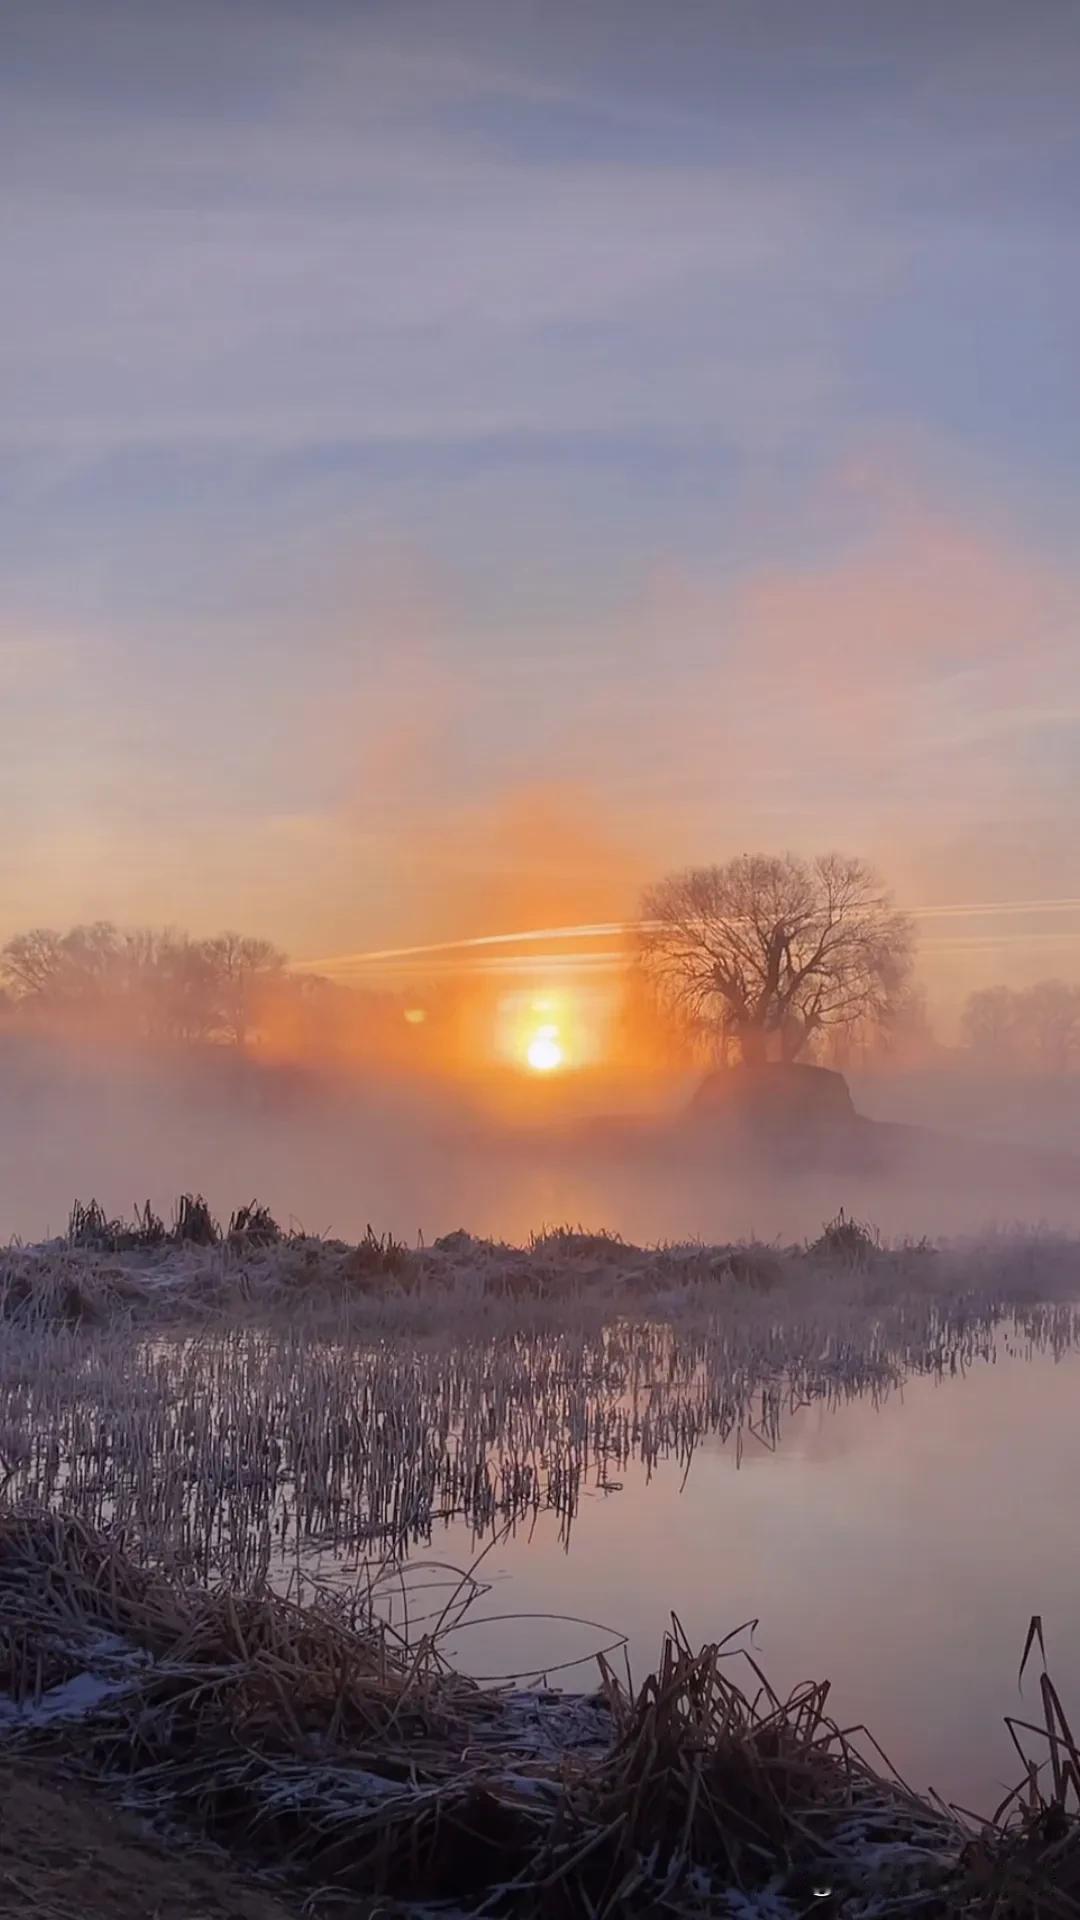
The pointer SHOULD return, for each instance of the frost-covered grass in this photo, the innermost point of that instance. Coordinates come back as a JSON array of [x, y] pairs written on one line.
[[310, 1740], [233, 1408], [181, 1423], [112, 1271]]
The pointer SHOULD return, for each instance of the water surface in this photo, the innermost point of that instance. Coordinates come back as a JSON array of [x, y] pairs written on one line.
[[754, 1458], [897, 1548]]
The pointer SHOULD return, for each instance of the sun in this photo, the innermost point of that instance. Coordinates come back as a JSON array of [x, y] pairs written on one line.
[[544, 1052]]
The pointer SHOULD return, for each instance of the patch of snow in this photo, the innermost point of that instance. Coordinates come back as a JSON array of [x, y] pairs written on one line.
[[549, 1724], [527, 1786], [110, 1668], [345, 1790], [74, 1700], [765, 1903]]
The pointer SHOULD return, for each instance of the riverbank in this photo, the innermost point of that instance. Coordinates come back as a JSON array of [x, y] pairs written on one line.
[[68, 1851], [309, 1743]]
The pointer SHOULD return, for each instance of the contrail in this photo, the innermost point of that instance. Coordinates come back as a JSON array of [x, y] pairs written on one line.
[[606, 929], [995, 906], [589, 930], [523, 963]]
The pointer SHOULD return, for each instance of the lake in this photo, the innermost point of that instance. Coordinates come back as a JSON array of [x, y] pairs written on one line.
[[877, 1464], [898, 1549]]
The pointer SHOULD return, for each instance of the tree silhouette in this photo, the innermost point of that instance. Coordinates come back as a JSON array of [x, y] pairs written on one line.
[[770, 951]]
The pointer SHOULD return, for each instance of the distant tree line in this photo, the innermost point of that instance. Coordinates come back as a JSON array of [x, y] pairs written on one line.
[[1034, 1029], [156, 985], [166, 988], [762, 959]]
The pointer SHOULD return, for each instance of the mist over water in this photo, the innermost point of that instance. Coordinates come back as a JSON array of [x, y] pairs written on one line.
[[423, 1156]]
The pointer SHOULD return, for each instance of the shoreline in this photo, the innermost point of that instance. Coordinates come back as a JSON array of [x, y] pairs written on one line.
[[153, 1441], [308, 1742]]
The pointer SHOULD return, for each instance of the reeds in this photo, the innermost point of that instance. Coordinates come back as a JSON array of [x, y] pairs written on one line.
[[194, 1421], [308, 1736], [141, 1266], [90, 1227], [845, 1241], [239, 1407], [311, 1740], [253, 1225]]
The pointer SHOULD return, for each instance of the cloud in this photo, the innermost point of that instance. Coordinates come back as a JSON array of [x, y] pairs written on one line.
[[283, 230], [891, 694], [904, 645], [911, 694], [421, 430], [339, 254]]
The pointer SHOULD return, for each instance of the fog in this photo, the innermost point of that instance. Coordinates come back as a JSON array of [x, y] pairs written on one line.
[[423, 1156]]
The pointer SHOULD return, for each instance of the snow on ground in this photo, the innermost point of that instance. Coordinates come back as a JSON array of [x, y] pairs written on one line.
[[108, 1667]]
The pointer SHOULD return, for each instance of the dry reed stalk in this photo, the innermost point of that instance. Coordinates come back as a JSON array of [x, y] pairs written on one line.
[[318, 1746], [234, 1444], [307, 1741]]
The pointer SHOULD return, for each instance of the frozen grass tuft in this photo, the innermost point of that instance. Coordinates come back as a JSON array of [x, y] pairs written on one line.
[[253, 1225], [846, 1242], [307, 1739], [88, 1227]]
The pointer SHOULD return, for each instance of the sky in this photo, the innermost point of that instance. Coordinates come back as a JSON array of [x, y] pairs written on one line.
[[460, 460]]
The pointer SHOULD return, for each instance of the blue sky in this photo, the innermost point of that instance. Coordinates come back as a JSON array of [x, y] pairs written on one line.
[[420, 418]]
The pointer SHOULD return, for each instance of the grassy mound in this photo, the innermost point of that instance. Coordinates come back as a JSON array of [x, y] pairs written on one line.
[[106, 1266]]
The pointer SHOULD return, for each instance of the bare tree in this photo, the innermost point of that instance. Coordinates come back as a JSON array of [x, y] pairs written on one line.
[[770, 952], [991, 1024], [1050, 1014], [142, 982], [243, 970], [71, 969], [31, 962], [181, 989], [903, 1038], [1037, 1029]]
